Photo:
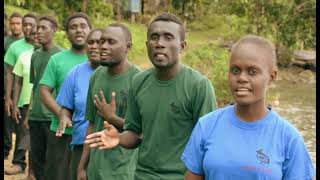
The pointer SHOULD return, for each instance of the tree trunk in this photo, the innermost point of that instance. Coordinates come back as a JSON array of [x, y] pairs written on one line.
[[84, 6]]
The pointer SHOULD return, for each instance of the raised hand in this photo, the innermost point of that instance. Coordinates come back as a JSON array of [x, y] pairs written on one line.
[[105, 110], [63, 124], [105, 139]]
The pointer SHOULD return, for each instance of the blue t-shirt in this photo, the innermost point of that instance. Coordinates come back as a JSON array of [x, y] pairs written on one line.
[[224, 147], [73, 95]]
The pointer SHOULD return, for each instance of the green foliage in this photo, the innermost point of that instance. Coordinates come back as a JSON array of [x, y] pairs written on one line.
[[62, 40], [212, 61], [100, 9]]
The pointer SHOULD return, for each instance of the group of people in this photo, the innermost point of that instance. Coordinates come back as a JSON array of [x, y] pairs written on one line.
[[89, 113]]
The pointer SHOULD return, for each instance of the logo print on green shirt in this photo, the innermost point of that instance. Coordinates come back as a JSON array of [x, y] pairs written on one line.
[[175, 108]]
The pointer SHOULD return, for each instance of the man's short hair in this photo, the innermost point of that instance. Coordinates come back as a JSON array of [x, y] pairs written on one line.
[[15, 15], [171, 18], [94, 30], [261, 42], [30, 15], [124, 29], [51, 19], [77, 15]]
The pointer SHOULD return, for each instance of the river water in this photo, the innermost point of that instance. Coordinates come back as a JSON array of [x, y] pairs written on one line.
[[297, 103]]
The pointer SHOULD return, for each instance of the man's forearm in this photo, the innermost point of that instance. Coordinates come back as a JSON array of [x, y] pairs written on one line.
[[65, 113], [86, 151], [129, 139], [17, 90], [9, 82], [117, 121], [48, 100]]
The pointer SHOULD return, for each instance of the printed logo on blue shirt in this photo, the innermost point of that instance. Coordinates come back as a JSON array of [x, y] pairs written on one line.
[[263, 158]]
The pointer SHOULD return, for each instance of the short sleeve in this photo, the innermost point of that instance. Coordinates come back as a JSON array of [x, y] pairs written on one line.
[[204, 100], [193, 154], [49, 77], [66, 94], [297, 164], [18, 67], [132, 118], [32, 70], [10, 57], [90, 106]]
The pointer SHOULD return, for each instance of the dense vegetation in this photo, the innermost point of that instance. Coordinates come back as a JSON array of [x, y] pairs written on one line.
[[212, 25]]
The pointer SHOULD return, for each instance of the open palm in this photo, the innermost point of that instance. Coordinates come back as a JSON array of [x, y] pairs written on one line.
[[105, 139]]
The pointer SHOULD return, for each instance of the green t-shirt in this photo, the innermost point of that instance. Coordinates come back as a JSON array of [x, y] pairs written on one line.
[[8, 40], [13, 49], [56, 71], [165, 112], [118, 163], [39, 61], [22, 69]]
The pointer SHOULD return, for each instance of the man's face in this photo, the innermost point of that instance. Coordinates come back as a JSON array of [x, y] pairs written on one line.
[[113, 47], [164, 44], [16, 26], [78, 30], [45, 32], [250, 72], [27, 25], [33, 37], [93, 47]]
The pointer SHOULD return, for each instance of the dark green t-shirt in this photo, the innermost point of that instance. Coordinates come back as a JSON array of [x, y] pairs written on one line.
[[39, 61], [165, 112], [56, 71], [118, 163]]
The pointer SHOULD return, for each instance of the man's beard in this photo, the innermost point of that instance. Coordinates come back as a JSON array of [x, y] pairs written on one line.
[[78, 46], [109, 63]]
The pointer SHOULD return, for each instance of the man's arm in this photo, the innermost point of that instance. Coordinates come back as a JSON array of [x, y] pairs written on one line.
[[16, 94], [65, 120], [192, 176], [84, 160], [9, 83], [48, 99], [110, 138]]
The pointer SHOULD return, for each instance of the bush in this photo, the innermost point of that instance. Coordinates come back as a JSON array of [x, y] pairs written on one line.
[[213, 62]]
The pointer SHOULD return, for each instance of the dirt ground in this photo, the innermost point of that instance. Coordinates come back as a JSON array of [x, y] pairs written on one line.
[[7, 164]]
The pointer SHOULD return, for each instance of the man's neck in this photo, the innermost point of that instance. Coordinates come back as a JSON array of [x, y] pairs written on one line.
[[167, 74], [120, 68], [78, 50], [48, 46], [17, 36]]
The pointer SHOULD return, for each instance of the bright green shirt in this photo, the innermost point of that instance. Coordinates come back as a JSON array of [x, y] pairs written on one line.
[[117, 163], [22, 69], [56, 71], [39, 61], [13, 53], [8, 40], [165, 112]]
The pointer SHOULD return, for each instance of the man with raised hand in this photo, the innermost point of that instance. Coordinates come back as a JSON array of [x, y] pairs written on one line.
[[164, 104], [77, 26], [107, 101]]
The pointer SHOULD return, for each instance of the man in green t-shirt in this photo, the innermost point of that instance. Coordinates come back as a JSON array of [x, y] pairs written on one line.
[[78, 26], [12, 55], [15, 21], [40, 117], [111, 81], [164, 104]]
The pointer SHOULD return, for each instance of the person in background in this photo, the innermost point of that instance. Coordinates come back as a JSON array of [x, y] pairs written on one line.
[[14, 52], [248, 140], [77, 26], [73, 96], [38, 117]]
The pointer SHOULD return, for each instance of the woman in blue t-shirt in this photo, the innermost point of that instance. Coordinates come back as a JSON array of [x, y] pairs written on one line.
[[247, 140]]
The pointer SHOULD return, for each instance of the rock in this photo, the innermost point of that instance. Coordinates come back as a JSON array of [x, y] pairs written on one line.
[[305, 55]]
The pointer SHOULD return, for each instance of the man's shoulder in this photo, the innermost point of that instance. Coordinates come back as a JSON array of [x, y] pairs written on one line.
[[143, 75], [193, 74], [61, 53]]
